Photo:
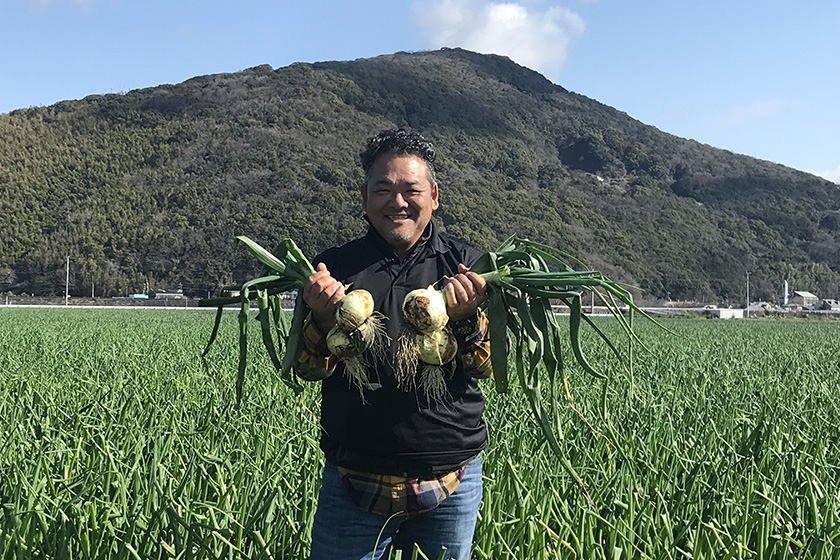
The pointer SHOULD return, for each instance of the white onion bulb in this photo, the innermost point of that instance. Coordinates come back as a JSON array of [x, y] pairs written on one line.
[[425, 308], [437, 347], [345, 344], [355, 308]]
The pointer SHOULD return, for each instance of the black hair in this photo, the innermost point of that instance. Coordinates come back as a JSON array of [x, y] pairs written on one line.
[[399, 142]]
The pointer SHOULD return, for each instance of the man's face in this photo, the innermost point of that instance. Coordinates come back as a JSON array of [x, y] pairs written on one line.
[[399, 200]]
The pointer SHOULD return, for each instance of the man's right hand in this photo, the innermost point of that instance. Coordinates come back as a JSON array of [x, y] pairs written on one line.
[[322, 293]]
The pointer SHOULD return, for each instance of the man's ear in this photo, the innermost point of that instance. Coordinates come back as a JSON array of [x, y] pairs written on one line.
[[363, 191], [435, 201]]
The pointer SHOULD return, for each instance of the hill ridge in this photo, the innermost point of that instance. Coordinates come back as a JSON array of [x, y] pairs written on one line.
[[150, 186]]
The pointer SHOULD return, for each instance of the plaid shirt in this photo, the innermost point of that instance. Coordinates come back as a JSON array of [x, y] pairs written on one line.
[[386, 495]]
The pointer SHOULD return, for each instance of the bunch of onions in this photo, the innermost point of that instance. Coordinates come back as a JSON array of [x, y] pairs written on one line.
[[524, 281], [427, 338], [358, 329]]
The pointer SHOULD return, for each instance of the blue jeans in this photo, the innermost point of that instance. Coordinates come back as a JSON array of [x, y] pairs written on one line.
[[343, 531]]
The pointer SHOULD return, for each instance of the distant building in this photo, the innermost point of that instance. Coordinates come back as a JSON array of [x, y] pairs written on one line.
[[803, 299], [158, 294], [798, 299], [830, 304], [726, 313]]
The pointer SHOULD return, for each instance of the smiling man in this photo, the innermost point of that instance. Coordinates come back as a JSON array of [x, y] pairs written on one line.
[[399, 196], [397, 461]]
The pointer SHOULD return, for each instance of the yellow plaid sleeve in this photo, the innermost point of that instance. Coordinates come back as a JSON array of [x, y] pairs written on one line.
[[315, 357], [474, 350]]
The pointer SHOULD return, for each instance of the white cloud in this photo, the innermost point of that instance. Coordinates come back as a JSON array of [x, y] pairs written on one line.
[[832, 174], [536, 39]]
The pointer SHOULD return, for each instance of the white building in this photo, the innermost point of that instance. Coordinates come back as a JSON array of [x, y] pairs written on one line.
[[803, 299], [726, 313]]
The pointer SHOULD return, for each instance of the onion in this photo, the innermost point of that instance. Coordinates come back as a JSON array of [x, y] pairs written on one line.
[[345, 344], [369, 332], [354, 309], [425, 308], [437, 347]]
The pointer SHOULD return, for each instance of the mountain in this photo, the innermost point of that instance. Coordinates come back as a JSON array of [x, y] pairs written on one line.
[[150, 186]]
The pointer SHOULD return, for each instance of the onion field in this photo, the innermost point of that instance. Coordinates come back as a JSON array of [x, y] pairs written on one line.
[[721, 442]]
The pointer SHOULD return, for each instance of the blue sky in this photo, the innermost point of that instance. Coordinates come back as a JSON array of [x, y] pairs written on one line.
[[757, 77]]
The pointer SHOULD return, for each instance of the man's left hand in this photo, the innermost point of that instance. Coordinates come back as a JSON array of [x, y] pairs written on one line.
[[464, 293]]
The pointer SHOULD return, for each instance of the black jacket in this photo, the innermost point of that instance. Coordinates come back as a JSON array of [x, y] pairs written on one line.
[[392, 431]]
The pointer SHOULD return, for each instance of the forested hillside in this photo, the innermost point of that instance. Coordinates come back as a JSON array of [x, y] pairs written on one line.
[[152, 185]]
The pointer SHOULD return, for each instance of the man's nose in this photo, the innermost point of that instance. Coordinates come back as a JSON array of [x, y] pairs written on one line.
[[399, 201]]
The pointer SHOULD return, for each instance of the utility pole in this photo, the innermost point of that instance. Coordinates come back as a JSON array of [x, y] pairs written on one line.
[[747, 309], [67, 282]]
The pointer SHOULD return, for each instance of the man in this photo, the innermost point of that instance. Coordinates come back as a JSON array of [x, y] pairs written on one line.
[[401, 468]]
